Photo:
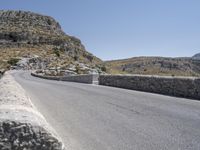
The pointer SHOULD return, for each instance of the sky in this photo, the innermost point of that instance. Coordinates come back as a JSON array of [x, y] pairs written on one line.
[[117, 29]]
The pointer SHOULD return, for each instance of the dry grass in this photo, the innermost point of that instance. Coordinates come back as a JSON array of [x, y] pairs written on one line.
[[155, 66], [47, 54]]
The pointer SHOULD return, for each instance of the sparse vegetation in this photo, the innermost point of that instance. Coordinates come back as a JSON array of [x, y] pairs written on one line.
[[76, 58], [103, 68], [13, 61], [155, 66], [31, 34], [56, 52]]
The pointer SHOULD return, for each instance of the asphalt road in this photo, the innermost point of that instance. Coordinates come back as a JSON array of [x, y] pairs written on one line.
[[91, 117]]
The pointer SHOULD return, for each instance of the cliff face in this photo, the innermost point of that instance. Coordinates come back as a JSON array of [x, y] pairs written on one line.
[[27, 34], [27, 27]]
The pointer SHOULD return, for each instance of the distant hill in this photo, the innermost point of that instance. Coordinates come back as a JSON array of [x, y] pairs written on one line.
[[38, 39], [196, 56], [155, 66]]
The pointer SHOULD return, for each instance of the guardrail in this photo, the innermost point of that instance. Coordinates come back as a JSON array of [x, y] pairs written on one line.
[[21, 125], [188, 87]]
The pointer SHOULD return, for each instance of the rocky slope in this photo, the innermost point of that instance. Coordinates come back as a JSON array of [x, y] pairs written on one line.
[[155, 66], [39, 42]]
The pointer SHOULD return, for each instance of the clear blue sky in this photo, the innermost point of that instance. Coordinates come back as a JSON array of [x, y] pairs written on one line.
[[113, 29]]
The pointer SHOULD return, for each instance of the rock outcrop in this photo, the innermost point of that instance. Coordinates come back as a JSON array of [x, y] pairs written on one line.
[[25, 35], [26, 27]]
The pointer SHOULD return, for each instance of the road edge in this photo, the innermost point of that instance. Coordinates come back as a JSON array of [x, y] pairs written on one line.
[[21, 124]]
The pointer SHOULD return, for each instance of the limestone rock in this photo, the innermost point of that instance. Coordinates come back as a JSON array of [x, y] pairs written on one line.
[[25, 33]]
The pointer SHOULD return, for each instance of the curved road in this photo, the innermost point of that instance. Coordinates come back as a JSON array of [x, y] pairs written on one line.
[[91, 117]]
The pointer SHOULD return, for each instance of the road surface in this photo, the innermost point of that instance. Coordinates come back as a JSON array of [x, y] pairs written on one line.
[[92, 117]]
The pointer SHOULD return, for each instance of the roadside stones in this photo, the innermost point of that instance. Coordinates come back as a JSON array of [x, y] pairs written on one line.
[[22, 127], [17, 135]]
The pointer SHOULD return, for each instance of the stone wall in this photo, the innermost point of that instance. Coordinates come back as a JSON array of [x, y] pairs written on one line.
[[89, 79], [187, 87], [21, 125], [45, 77]]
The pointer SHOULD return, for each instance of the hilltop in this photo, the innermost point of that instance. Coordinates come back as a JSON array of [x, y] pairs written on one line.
[[32, 41], [155, 66], [196, 56]]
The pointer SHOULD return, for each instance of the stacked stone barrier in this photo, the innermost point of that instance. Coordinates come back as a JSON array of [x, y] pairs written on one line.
[[89, 79], [187, 87], [45, 77], [21, 125]]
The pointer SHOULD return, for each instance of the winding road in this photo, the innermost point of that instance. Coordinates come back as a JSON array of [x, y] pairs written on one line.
[[92, 117]]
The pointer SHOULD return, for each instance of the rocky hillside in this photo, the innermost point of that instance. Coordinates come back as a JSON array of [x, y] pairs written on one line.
[[29, 40], [156, 66]]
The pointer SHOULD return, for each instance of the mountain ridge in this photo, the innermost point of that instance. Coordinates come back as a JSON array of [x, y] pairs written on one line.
[[179, 66]]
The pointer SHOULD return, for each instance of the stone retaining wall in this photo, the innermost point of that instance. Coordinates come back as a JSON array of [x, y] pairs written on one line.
[[89, 79], [187, 87], [45, 77], [21, 125]]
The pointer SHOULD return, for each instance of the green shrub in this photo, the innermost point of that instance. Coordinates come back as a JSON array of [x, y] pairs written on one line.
[[13, 61], [103, 68], [56, 52], [76, 58]]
